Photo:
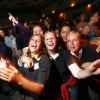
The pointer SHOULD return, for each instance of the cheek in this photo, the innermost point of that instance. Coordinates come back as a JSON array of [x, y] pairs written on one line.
[[68, 44]]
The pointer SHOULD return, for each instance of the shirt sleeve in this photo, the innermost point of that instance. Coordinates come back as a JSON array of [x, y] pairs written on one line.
[[74, 69], [44, 69], [8, 42]]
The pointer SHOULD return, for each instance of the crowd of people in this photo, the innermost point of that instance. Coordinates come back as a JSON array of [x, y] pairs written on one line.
[[51, 61]]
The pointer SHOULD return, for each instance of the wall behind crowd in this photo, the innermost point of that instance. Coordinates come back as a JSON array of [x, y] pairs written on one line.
[[59, 6], [25, 17]]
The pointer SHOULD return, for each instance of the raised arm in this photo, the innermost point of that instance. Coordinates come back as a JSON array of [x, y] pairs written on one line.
[[18, 24]]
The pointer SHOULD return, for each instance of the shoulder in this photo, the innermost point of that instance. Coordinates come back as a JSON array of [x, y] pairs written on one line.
[[44, 57], [90, 48], [64, 52]]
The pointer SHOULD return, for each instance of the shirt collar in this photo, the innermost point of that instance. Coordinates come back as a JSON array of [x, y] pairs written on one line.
[[78, 56]]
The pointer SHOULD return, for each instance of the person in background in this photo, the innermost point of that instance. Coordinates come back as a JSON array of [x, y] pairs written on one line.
[[88, 31], [25, 32], [7, 40], [85, 53], [63, 68], [31, 80], [65, 30], [6, 37], [37, 30], [74, 24], [48, 25], [82, 22]]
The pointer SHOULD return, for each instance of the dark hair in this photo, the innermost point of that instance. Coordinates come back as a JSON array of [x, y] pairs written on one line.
[[65, 26]]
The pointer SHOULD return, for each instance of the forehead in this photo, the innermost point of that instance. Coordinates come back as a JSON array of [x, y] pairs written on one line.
[[66, 28], [37, 28], [49, 34], [36, 37], [1, 30], [72, 36]]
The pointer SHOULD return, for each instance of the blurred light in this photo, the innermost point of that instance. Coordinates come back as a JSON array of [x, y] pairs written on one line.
[[43, 15], [53, 11], [47, 18], [72, 4], [61, 15], [40, 20], [89, 6]]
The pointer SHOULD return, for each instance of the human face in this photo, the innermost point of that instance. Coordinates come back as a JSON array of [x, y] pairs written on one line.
[[2, 33], [64, 32], [35, 44], [46, 22], [37, 30], [82, 17], [73, 42], [50, 41], [95, 17]]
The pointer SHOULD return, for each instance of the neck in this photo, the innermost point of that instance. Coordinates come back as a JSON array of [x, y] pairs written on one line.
[[33, 54], [52, 52]]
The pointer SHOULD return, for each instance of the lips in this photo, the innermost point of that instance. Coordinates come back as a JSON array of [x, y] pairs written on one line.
[[72, 47], [33, 45], [50, 44]]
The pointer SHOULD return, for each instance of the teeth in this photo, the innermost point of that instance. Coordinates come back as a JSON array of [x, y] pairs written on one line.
[[72, 47]]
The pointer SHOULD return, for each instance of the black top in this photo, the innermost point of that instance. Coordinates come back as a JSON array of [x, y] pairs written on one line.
[[39, 73], [89, 54], [61, 63]]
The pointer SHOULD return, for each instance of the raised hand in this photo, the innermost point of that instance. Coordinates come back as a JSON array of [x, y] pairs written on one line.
[[12, 18]]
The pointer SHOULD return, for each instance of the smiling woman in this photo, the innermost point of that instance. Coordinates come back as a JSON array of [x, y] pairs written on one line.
[[33, 81]]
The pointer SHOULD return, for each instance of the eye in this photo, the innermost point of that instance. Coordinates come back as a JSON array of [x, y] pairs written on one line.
[[68, 41], [46, 39]]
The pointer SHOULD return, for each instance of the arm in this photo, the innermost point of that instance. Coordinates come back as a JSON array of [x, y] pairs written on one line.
[[92, 69], [19, 25], [11, 74], [84, 34], [85, 30], [23, 28]]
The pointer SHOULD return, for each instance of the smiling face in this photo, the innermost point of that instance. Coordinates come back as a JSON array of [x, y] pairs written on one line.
[[37, 30], [73, 42], [64, 33], [50, 41], [35, 44]]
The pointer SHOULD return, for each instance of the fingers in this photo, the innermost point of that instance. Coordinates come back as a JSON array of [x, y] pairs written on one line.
[[5, 78], [98, 49], [10, 15], [4, 74], [84, 65], [8, 74]]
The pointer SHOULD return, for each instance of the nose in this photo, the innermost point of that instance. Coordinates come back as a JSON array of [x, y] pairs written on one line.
[[35, 41], [50, 39]]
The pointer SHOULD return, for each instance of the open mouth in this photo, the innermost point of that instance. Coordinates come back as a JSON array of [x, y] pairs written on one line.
[[72, 47], [50, 44], [33, 45]]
